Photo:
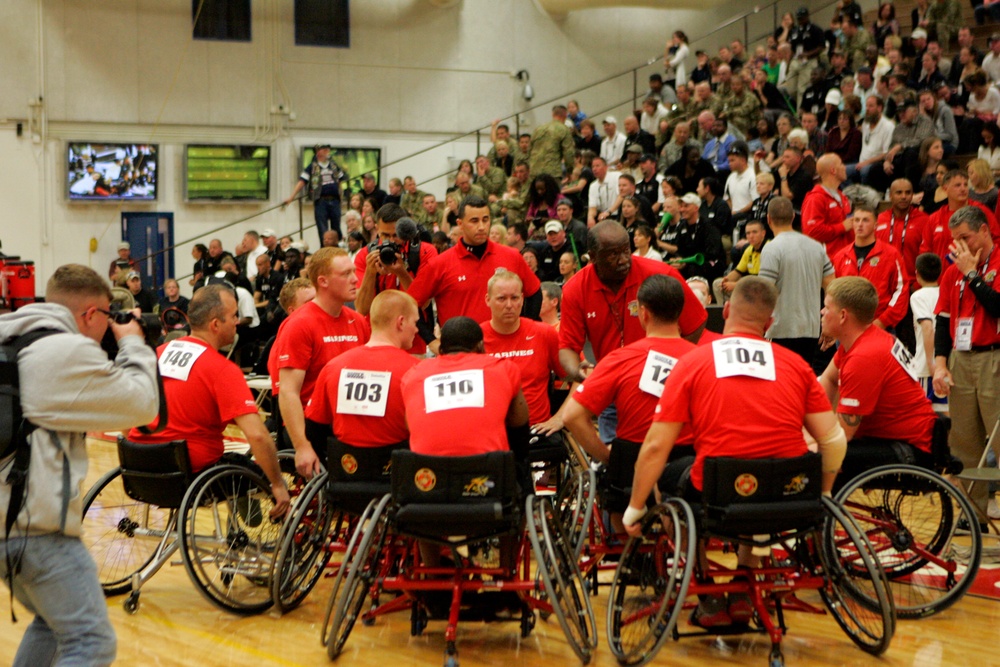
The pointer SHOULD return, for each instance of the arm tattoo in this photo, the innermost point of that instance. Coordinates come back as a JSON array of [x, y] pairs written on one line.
[[851, 420]]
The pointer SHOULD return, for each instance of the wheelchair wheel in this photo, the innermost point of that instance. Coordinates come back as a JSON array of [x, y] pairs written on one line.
[[575, 503], [228, 541], [651, 582], [924, 531], [862, 604], [350, 590], [348, 557], [561, 576], [303, 547], [122, 534]]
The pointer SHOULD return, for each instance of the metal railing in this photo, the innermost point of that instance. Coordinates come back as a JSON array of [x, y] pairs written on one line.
[[750, 36]]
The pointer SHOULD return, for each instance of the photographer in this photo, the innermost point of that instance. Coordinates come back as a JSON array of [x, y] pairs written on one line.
[[67, 387], [391, 262]]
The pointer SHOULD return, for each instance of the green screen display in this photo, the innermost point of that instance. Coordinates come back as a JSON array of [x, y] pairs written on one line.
[[227, 172], [355, 161]]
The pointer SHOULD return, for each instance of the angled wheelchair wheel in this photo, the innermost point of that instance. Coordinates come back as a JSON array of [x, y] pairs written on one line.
[[651, 582], [350, 590], [856, 591], [560, 574], [924, 531], [122, 534], [303, 547], [228, 540], [347, 557], [575, 503]]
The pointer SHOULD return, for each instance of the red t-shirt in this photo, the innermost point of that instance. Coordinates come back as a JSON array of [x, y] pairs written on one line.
[[457, 404], [708, 337], [534, 349], [823, 219], [610, 320], [904, 234], [937, 235], [875, 384], [359, 393], [456, 280], [632, 378], [199, 407], [383, 283], [311, 337], [883, 267], [956, 300], [738, 415]]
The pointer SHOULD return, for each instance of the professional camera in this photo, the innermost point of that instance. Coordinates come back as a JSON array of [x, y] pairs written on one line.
[[387, 253], [123, 316]]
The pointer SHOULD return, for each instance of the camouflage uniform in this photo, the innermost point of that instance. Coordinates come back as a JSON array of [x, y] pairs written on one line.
[[741, 110], [493, 182], [671, 153], [945, 17], [696, 109], [854, 48], [413, 203], [514, 151], [552, 146]]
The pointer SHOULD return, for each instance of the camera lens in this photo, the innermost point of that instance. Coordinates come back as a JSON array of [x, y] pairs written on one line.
[[387, 253]]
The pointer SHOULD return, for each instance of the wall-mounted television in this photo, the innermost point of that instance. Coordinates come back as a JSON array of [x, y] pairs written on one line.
[[226, 173], [355, 161], [111, 172]]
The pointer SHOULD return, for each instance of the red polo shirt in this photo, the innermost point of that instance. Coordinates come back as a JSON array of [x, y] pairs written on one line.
[[937, 236], [956, 300], [726, 413], [456, 280], [823, 219], [904, 234], [883, 267], [632, 378], [534, 349], [311, 337], [359, 393], [611, 319], [875, 384]]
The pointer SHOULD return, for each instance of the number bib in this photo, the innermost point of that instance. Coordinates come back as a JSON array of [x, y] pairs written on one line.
[[448, 391], [178, 358], [363, 392], [963, 334], [655, 372], [743, 356], [903, 356]]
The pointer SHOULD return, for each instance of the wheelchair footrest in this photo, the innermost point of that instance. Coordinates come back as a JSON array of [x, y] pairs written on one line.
[[485, 607]]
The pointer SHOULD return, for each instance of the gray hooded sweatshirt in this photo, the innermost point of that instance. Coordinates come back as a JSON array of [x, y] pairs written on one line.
[[69, 387]]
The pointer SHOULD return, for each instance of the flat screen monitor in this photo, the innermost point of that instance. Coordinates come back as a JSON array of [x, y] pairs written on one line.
[[355, 161], [111, 172], [226, 173]]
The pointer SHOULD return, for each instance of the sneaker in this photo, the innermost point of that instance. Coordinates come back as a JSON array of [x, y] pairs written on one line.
[[711, 612], [992, 509], [740, 608]]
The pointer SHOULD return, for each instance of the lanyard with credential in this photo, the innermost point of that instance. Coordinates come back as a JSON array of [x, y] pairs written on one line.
[[892, 228]]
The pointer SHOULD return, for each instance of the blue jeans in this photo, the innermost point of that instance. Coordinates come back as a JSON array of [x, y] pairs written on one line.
[[58, 583], [856, 175], [607, 424], [327, 213]]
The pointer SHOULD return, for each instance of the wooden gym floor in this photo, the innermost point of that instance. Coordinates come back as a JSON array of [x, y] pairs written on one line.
[[175, 626]]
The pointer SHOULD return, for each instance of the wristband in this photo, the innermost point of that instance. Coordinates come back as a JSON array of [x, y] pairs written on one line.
[[632, 515]]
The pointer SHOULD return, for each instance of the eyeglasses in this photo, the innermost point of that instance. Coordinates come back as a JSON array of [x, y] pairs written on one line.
[[106, 313]]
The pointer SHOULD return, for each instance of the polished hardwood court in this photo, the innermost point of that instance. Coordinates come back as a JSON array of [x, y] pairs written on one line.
[[175, 626]]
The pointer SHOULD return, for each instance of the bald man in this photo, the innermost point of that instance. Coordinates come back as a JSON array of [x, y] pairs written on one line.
[[826, 211]]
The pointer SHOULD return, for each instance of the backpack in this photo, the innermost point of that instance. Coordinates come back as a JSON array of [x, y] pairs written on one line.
[[14, 432]]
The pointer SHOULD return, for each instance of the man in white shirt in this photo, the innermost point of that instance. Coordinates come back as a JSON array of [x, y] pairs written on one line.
[[613, 144], [254, 249], [864, 85], [741, 186], [876, 140], [991, 63], [603, 192]]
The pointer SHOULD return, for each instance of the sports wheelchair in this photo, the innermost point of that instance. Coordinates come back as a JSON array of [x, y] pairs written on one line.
[[139, 514], [472, 508], [923, 528], [768, 504], [325, 516]]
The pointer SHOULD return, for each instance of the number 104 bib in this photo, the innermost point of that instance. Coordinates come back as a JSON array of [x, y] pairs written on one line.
[[743, 356]]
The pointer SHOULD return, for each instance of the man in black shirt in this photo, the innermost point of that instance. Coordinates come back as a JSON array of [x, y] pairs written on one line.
[[634, 135], [267, 286], [144, 300], [814, 98], [576, 231], [795, 182], [649, 187], [216, 255], [700, 237], [556, 243], [807, 41], [369, 190]]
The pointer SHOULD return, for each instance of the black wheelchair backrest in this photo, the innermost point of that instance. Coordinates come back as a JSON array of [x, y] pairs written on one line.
[[347, 463], [419, 478], [155, 473], [750, 496]]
